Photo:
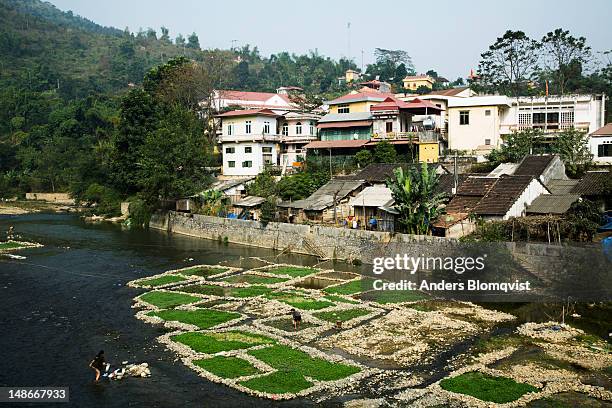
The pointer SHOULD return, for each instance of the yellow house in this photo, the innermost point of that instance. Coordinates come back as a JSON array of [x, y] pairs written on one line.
[[413, 82], [428, 152], [356, 102], [352, 76]]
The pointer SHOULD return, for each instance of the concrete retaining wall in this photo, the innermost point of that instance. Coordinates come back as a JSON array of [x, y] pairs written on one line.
[[59, 198]]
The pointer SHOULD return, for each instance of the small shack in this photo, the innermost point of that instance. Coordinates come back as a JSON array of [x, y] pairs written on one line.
[[373, 207], [249, 208]]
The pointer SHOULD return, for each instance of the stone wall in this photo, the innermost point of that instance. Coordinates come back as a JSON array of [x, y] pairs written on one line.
[[322, 241]]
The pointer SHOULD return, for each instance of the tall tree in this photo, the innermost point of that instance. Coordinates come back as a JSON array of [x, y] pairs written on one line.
[[563, 52], [573, 148], [193, 41], [509, 64], [165, 37]]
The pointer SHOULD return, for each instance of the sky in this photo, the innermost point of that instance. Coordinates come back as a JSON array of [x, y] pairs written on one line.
[[445, 35]]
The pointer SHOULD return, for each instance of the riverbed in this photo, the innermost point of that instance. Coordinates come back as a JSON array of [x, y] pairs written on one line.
[[68, 300]]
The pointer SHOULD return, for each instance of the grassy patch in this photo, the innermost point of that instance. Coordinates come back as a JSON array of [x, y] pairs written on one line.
[[162, 280], [287, 324], [211, 343], [252, 291], [298, 301], [342, 315], [254, 279], [10, 245], [340, 299], [349, 288], [278, 383], [203, 271], [165, 300], [204, 289], [293, 271], [394, 296], [288, 360], [487, 388], [202, 318], [227, 367]]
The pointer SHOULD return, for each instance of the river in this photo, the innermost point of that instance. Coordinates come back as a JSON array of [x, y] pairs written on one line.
[[68, 300]]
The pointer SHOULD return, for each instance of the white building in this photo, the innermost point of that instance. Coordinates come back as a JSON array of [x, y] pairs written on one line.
[[250, 141], [297, 130], [600, 144], [278, 102]]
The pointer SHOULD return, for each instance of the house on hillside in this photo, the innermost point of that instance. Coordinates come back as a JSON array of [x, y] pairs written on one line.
[[297, 129], [328, 204], [600, 144], [278, 102], [414, 82]]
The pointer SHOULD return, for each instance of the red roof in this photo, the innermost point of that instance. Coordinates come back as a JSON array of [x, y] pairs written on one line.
[[417, 103], [363, 94], [392, 103], [250, 112], [603, 131], [251, 96], [345, 124], [331, 144]]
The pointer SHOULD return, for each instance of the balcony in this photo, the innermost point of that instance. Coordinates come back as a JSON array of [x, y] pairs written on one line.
[[297, 138], [253, 137], [545, 127], [424, 136]]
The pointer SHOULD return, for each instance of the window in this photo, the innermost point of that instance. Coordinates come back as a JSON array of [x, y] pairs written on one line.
[[230, 150], [488, 112], [285, 129], [343, 108], [230, 129], [389, 127], [267, 159], [464, 117], [248, 127], [487, 142], [266, 128], [298, 128], [231, 164], [247, 163], [248, 149], [266, 149], [539, 117], [312, 128], [604, 150]]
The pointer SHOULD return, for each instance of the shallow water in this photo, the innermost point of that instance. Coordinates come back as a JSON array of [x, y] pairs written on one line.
[[68, 300]]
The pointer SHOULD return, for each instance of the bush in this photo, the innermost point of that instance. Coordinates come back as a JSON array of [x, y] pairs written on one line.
[[140, 213], [364, 157], [107, 200]]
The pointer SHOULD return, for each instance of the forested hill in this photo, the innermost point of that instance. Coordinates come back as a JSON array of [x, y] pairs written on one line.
[[43, 48]]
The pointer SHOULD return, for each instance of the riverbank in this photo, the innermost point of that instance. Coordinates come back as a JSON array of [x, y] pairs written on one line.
[[20, 207]]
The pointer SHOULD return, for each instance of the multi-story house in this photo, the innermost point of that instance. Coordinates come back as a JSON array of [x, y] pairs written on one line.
[[249, 140], [297, 129], [278, 102], [600, 144], [414, 82]]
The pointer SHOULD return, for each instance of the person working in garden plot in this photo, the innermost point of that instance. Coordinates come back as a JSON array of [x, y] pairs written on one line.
[[297, 318]]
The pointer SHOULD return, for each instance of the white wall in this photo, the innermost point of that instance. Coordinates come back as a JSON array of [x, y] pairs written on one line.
[[594, 142], [481, 127], [257, 127], [239, 156], [534, 190]]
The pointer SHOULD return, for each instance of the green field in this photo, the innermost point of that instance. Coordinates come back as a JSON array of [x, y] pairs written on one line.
[[252, 291], [227, 367], [287, 324], [279, 382], [486, 387], [202, 318], [298, 301], [254, 279], [340, 299], [203, 289], [165, 300], [293, 271], [162, 280], [10, 245], [362, 285], [211, 343]]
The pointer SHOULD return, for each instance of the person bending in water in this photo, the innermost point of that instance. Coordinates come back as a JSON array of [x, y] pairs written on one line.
[[297, 319], [98, 364]]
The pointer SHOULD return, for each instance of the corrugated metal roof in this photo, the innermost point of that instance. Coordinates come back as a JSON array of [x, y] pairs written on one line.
[[331, 144], [560, 187], [250, 201], [344, 117], [373, 196], [324, 196], [594, 183], [552, 204]]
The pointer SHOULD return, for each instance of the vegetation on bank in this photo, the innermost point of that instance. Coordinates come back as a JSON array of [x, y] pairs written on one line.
[[161, 280], [202, 318], [227, 367], [211, 343], [341, 315], [203, 271], [165, 300]]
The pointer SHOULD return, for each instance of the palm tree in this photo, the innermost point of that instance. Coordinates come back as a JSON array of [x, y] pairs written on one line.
[[415, 198]]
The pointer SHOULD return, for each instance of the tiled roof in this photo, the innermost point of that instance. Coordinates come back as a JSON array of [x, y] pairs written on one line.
[[461, 203], [251, 96], [449, 92], [533, 165], [371, 95], [503, 195], [552, 204], [594, 183], [603, 131], [476, 186], [447, 182], [249, 112]]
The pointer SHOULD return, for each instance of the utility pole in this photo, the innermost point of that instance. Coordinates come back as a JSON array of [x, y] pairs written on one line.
[[348, 30], [331, 174]]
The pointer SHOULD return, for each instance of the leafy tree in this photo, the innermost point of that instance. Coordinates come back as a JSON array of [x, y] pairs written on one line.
[[364, 157], [516, 146], [165, 37], [268, 210], [385, 152], [562, 53], [300, 185], [193, 41], [180, 40], [422, 90], [573, 148], [508, 64], [432, 74], [415, 198], [264, 185]]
